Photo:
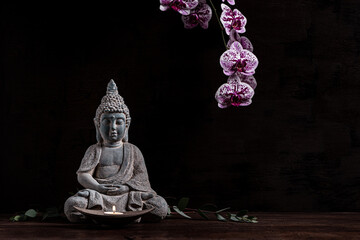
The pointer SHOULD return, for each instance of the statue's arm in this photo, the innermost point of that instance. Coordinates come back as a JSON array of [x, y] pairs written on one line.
[[87, 181]]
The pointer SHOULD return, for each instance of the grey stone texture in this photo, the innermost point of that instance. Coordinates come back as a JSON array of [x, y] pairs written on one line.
[[113, 171]]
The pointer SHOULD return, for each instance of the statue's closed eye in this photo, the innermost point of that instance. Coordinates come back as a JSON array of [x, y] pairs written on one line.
[[120, 121], [106, 121]]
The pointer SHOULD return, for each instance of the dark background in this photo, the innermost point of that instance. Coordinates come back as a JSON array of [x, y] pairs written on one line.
[[296, 148]]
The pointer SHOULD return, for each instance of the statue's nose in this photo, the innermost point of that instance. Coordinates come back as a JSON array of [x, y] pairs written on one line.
[[113, 125]]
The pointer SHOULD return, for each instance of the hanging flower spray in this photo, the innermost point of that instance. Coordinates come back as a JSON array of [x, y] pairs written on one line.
[[238, 61]]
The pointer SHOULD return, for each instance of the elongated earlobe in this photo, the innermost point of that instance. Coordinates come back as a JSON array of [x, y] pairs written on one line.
[[126, 137], [98, 136]]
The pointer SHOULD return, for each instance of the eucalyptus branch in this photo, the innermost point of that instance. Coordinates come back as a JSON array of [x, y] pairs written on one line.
[[221, 215]]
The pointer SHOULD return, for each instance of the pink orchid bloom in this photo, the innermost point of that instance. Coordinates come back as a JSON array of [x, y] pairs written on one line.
[[238, 94], [237, 59], [181, 6], [231, 2], [244, 41], [200, 15], [232, 20], [237, 78]]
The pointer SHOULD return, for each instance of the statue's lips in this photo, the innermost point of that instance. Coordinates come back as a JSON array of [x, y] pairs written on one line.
[[114, 134]]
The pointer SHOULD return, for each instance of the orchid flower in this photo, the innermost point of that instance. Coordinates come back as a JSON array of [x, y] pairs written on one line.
[[231, 2], [237, 59], [200, 15], [244, 41], [237, 94], [181, 6], [232, 20]]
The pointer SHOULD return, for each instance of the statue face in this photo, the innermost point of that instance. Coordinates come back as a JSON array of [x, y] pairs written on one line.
[[112, 127]]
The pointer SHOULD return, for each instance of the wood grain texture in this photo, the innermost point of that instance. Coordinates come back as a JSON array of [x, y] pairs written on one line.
[[320, 226]]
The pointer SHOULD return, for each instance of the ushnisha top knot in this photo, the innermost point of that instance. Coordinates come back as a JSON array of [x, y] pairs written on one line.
[[111, 87], [112, 102]]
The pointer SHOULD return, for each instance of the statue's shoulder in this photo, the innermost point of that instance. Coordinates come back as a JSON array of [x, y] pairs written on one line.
[[132, 146], [90, 159], [92, 151], [93, 147], [134, 149]]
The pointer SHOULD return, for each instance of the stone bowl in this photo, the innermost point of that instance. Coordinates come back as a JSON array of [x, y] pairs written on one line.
[[99, 217]]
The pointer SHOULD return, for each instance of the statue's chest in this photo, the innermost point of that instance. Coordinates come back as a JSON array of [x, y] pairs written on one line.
[[111, 156]]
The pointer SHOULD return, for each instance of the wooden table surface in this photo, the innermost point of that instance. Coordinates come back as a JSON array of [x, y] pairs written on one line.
[[339, 225]]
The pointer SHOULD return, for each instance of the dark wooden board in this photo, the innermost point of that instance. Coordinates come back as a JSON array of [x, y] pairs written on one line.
[[270, 226]]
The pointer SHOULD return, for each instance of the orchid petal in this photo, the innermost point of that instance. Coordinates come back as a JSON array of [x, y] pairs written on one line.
[[201, 15], [236, 46], [237, 78], [166, 2], [233, 37], [231, 2], [251, 61], [181, 6], [184, 11], [246, 44], [190, 4], [164, 8]]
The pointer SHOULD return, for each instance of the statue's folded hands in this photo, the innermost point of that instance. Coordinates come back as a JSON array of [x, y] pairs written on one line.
[[118, 190]]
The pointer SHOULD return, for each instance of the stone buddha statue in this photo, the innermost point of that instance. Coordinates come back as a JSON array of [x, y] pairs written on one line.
[[113, 171]]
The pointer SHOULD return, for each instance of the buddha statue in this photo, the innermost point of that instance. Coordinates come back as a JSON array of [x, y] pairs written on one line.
[[113, 171]]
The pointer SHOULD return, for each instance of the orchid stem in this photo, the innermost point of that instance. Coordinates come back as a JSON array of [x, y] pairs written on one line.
[[221, 27]]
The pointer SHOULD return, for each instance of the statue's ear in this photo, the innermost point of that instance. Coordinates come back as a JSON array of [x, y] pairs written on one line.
[[98, 136], [126, 137]]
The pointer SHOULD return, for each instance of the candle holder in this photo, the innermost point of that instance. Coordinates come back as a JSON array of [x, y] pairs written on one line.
[[100, 217], [113, 212]]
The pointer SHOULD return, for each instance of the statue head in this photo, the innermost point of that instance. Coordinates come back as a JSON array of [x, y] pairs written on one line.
[[112, 119]]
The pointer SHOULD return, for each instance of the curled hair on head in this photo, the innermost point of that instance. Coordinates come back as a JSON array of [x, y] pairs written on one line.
[[112, 102]]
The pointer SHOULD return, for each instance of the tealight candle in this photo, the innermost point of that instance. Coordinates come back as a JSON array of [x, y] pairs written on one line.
[[114, 212]]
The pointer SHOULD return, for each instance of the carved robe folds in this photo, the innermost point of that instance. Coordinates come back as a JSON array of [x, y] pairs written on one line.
[[132, 173]]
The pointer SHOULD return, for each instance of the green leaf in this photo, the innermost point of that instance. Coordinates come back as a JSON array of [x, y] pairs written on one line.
[[222, 210], [242, 213], [201, 213], [183, 202], [180, 212], [31, 213], [250, 219], [19, 218], [168, 210], [220, 218], [234, 218]]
